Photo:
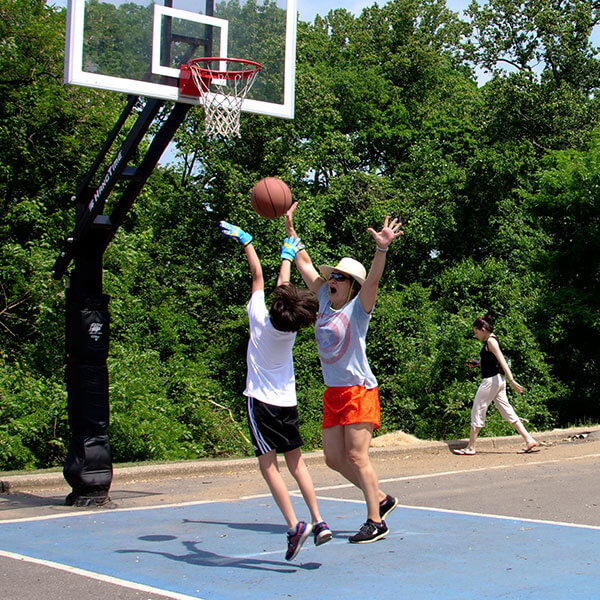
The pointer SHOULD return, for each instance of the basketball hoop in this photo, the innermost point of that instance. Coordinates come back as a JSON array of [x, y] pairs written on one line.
[[222, 83]]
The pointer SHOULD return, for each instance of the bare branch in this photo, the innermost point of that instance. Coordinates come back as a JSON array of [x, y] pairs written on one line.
[[8, 306], [231, 417]]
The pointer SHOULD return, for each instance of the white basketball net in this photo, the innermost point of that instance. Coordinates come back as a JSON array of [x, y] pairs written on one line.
[[223, 92]]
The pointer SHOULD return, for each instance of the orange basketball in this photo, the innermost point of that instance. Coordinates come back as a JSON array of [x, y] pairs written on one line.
[[271, 198]]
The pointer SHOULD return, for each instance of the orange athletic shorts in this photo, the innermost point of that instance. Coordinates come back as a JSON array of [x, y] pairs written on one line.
[[352, 404]]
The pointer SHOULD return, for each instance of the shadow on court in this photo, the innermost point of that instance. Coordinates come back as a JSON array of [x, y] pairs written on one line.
[[198, 557], [278, 529]]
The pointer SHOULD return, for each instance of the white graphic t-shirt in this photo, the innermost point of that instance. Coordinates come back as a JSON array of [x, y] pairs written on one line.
[[341, 339]]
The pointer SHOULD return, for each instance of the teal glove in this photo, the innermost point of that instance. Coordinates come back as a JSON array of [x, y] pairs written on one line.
[[233, 231], [291, 245]]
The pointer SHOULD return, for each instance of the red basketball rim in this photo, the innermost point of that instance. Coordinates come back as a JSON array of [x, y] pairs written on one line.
[[206, 72]]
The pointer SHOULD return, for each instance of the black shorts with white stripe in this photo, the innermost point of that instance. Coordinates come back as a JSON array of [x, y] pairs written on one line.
[[273, 427]]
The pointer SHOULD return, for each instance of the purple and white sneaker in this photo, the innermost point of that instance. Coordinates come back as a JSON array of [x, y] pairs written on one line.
[[322, 533], [297, 537]]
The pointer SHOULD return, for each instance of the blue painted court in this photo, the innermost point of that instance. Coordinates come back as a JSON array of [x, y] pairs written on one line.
[[234, 551]]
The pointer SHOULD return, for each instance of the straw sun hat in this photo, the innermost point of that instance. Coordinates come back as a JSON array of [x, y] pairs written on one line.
[[348, 266]]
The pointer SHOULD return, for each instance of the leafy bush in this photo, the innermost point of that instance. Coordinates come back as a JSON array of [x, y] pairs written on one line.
[[33, 433]]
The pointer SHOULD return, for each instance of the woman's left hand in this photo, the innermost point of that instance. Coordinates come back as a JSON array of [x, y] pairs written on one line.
[[387, 234], [289, 221]]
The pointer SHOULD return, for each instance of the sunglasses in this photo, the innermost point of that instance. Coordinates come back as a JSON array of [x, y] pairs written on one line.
[[339, 277]]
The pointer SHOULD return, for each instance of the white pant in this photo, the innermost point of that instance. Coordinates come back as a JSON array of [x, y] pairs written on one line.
[[492, 389]]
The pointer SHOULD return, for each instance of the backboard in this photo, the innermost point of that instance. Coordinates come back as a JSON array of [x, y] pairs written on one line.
[[137, 47]]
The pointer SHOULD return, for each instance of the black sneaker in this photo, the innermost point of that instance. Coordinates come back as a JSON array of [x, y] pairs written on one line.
[[296, 538], [387, 506], [370, 532]]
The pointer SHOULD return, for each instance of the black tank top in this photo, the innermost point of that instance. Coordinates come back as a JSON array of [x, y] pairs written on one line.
[[489, 363]]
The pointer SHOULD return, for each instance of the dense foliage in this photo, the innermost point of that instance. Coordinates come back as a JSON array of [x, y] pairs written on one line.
[[498, 186]]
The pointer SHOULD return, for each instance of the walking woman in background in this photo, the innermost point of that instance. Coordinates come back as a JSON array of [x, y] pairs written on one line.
[[494, 372]]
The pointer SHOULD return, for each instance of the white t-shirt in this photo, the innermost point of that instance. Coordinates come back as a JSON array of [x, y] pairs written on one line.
[[270, 377]]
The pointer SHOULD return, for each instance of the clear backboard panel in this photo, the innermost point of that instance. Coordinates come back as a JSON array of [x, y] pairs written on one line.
[[138, 47]]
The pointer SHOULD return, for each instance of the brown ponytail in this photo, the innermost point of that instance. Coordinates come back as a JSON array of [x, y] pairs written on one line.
[[484, 323]]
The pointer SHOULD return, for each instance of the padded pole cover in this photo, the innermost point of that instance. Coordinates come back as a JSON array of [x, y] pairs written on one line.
[[88, 467]]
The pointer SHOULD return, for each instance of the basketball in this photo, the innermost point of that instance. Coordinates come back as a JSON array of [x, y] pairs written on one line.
[[271, 198]]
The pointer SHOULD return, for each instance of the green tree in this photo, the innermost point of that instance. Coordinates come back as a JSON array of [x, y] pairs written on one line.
[[568, 319], [107, 26], [48, 134], [550, 94], [389, 120]]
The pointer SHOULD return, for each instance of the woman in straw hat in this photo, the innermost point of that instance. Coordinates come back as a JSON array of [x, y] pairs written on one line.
[[347, 296]]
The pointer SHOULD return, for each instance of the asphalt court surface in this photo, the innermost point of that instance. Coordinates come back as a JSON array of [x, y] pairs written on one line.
[[219, 552], [491, 526]]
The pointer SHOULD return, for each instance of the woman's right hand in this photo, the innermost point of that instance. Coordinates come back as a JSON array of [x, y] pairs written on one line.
[[387, 234]]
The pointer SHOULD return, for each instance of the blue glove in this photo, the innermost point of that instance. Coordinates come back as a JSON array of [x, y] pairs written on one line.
[[233, 231], [291, 245]]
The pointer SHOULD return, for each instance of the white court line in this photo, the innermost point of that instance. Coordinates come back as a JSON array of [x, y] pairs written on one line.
[[460, 512], [295, 492], [99, 577], [438, 510], [467, 513], [502, 517], [457, 472], [102, 511], [94, 512]]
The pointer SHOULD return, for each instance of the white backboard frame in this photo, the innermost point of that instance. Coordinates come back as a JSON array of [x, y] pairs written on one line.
[[75, 75], [159, 11]]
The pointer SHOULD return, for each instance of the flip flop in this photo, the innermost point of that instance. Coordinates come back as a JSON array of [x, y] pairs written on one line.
[[464, 452], [528, 450]]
